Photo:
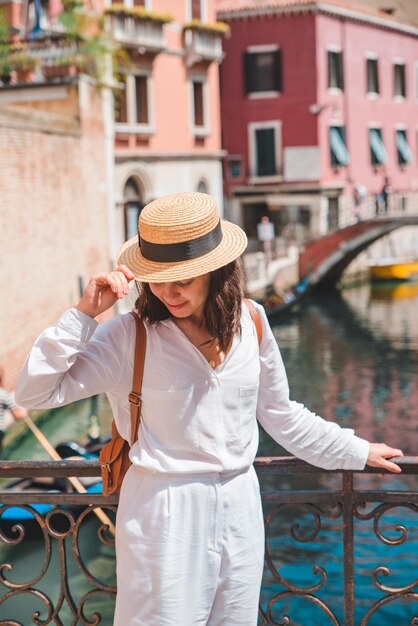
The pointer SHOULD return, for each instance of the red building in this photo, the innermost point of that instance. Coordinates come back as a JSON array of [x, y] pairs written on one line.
[[319, 99]]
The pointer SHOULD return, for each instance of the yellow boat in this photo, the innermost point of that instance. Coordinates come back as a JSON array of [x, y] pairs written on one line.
[[394, 269]]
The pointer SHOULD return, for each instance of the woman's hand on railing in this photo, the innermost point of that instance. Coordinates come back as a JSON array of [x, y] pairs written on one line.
[[104, 289], [379, 453]]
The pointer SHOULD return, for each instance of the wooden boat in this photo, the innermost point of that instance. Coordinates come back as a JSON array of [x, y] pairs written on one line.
[[394, 269], [11, 515], [275, 303]]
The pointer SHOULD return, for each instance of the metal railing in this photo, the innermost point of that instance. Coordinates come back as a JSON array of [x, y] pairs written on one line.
[[325, 498], [136, 32]]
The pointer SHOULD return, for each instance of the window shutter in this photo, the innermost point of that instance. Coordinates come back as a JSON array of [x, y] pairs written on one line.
[[277, 65], [340, 71], [196, 10], [266, 152], [141, 84], [121, 109], [249, 72], [330, 67], [198, 103]]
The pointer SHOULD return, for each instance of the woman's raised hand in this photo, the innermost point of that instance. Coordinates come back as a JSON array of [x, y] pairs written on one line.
[[104, 289]]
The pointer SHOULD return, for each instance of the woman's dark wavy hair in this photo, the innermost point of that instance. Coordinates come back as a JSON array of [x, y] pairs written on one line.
[[222, 311]]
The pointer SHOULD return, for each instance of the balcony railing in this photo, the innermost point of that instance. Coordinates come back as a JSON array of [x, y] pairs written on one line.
[[202, 45], [135, 32], [347, 500]]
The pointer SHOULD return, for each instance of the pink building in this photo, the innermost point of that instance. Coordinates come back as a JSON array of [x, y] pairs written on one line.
[[165, 127], [74, 177], [167, 130], [319, 104]]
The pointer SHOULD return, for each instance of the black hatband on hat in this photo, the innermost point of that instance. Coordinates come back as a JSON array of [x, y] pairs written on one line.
[[183, 251]]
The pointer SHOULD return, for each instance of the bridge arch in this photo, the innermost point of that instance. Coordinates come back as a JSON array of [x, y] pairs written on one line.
[[323, 260]]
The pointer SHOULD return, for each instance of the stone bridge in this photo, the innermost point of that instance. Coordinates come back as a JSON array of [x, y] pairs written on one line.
[[322, 261]]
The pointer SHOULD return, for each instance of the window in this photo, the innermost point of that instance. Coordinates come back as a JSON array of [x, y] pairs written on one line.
[[198, 104], [234, 168], [378, 154], [335, 70], [402, 148], [132, 207], [196, 10], [372, 76], [262, 71], [202, 187], [121, 107], [139, 3], [399, 80], [264, 141], [141, 100], [132, 104], [338, 149], [265, 152]]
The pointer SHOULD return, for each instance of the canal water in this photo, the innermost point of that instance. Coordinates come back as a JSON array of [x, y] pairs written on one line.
[[352, 357]]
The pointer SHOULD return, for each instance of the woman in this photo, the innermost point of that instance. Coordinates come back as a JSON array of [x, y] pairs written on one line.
[[190, 536]]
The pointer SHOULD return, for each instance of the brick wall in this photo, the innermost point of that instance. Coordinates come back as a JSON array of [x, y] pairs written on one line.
[[53, 216]]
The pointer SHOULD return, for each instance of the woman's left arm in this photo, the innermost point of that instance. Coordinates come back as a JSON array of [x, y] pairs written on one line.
[[302, 432]]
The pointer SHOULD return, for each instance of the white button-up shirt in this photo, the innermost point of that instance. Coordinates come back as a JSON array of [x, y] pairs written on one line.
[[194, 418]]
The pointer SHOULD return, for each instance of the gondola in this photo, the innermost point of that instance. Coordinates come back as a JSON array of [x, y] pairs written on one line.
[[12, 515], [276, 303]]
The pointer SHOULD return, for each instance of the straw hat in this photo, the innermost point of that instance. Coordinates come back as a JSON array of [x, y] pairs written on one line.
[[179, 237]]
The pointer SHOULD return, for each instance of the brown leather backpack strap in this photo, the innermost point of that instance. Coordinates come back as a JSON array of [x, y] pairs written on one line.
[[255, 316], [135, 399]]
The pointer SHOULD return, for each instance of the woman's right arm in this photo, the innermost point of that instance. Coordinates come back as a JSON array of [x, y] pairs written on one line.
[[77, 358]]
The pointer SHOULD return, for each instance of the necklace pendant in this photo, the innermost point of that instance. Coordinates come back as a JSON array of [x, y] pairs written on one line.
[[212, 363]]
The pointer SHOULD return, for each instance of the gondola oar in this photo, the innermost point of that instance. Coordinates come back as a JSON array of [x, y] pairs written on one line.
[[78, 486]]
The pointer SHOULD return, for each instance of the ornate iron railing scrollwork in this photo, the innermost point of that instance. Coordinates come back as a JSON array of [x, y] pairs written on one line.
[[309, 514]]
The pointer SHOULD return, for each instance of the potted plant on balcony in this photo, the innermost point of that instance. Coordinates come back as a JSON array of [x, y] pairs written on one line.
[[61, 67], [5, 69], [215, 28], [5, 72], [24, 65], [92, 45], [138, 12]]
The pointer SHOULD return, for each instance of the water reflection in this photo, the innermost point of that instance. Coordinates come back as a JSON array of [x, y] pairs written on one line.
[[352, 358]]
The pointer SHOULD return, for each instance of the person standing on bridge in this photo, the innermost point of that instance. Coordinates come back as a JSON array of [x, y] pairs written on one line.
[[386, 192], [189, 528]]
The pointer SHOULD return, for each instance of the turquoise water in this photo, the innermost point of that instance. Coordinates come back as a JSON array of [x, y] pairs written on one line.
[[351, 358]]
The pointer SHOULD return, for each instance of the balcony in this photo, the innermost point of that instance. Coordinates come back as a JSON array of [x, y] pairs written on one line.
[[137, 28], [203, 42], [316, 529], [49, 60]]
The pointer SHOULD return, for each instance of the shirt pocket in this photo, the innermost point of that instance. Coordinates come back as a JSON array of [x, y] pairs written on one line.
[[247, 407], [170, 418]]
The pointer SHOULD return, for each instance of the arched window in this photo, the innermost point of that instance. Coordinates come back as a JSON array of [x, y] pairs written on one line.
[[202, 186], [132, 203]]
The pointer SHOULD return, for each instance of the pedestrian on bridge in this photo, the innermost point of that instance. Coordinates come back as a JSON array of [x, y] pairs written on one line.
[[189, 528]]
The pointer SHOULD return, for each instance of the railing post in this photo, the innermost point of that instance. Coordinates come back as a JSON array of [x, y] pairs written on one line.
[[348, 548]]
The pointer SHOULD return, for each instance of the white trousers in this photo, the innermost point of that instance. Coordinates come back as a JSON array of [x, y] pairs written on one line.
[[189, 549]]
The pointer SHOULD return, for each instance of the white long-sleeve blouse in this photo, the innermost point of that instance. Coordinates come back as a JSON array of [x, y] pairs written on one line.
[[194, 418]]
